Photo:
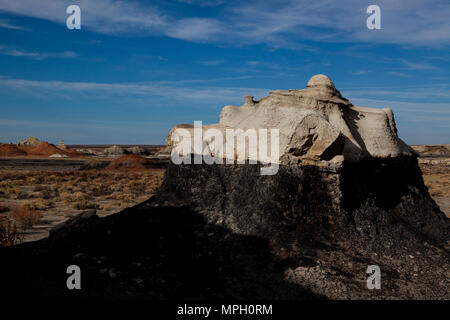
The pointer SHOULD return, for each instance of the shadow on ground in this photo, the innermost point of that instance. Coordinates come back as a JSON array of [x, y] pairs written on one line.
[[158, 253]]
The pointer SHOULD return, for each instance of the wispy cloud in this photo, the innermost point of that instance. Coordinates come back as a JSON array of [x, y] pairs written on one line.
[[207, 91], [7, 25], [399, 74], [280, 23], [418, 65], [211, 62], [36, 55], [423, 93], [360, 72], [203, 3], [177, 90], [195, 29]]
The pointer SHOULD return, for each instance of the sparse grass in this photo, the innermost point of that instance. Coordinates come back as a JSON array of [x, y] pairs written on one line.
[[85, 204], [38, 204], [68, 191], [25, 217]]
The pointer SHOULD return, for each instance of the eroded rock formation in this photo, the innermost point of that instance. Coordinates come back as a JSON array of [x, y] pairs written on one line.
[[347, 187], [316, 123]]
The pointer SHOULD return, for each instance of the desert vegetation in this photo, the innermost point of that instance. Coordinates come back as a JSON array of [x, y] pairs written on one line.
[[43, 191], [29, 197], [9, 235]]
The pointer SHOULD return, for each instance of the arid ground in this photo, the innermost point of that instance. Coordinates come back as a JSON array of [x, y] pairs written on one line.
[[435, 164], [38, 193]]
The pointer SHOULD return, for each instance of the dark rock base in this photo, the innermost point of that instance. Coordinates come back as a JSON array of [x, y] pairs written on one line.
[[221, 232]]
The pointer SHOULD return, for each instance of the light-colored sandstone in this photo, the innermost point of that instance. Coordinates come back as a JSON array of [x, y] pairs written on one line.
[[315, 123]]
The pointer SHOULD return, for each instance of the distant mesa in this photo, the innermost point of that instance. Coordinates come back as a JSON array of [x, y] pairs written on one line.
[[136, 150], [114, 150]]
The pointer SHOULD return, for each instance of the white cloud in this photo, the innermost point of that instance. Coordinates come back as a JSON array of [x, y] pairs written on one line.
[[104, 16], [195, 29], [418, 65], [177, 90], [211, 62], [280, 23], [399, 74], [36, 55]]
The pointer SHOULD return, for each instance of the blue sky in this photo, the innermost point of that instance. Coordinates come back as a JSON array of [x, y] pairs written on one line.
[[137, 68]]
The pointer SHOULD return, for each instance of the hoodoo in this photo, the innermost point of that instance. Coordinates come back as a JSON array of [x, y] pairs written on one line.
[[315, 123], [346, 185]]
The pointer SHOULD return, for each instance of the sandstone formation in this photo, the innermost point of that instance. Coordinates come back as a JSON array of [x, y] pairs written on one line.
[[315, 123], [62, 145], [346, 181], [114, 150], [29, 142], [88, 151], [136, 150]]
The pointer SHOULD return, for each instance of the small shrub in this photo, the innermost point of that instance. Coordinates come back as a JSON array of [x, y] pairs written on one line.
[[84, 204], [24, 195], [38, 204], [25, 217], [38, 188], [101, 190], [94, 165], [8, 233]]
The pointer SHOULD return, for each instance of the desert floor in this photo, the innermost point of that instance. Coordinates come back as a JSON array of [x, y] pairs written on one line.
[[41, 193], [437, 179]]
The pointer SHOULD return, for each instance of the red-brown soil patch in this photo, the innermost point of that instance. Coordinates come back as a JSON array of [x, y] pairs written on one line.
[[46, 149], [131, 162], [10, 150]]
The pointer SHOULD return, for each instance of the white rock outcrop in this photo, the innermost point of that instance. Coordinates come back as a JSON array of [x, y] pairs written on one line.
[[29, 142], [315, 123]]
